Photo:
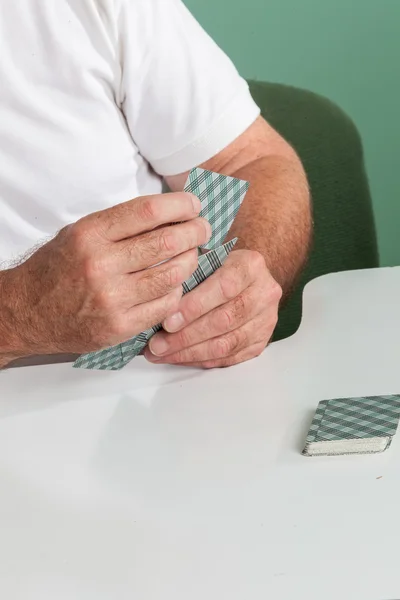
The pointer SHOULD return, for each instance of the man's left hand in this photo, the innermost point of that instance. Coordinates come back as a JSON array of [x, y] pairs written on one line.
[[226, 320]]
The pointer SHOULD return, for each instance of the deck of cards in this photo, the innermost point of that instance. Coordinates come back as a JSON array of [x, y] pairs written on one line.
[[221, 197], [363, 425]]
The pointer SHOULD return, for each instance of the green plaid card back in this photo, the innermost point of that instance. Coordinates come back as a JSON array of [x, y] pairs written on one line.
[[220, 197], [354, 418]]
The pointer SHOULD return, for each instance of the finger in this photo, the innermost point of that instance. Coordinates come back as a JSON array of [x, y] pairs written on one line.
[[219, 347], [141, 214], [217, 322], [160, 280], [140, 318], [145, 250], [228, 282], [230, 361]]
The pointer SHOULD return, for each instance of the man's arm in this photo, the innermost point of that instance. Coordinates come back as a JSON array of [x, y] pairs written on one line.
[[231, 316], [275, 217], [91, 287], [8, 343]]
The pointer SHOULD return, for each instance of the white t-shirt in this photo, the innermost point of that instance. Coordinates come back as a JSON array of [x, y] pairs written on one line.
[[98, 100]]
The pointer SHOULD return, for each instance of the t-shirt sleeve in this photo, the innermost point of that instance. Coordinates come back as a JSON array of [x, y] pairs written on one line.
[[182, 97]]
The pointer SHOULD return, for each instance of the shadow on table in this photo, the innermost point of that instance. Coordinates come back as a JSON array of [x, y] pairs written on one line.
[[47, 359], [53, 386], [304, 430]]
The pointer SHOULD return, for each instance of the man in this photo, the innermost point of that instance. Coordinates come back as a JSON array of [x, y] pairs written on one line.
[[102, 100]]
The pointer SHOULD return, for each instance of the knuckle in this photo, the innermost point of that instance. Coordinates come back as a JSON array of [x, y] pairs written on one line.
[[183, 266], [256, 260], [238, 340], [78, 236], [147, 247], [147, 209], [223, 346], [226, 318], [104, 300], [239, 308], [161, 281], [175, 275], [132, 249], [276, 291], [92, 269], [230, 283], [167, 242]]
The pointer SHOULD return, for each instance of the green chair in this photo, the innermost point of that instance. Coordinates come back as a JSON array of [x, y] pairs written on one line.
[[330, 148]]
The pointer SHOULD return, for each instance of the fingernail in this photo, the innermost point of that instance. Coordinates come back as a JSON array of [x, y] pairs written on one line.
[[196, 204], [174, 322], [158, 345], [208, 230], [150, 357]]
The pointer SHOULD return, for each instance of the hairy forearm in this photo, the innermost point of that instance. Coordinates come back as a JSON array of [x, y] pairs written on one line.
[[8, 337], [275, 217]]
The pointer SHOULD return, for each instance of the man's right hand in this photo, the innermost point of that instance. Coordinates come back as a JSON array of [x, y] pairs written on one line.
[[91, 286]]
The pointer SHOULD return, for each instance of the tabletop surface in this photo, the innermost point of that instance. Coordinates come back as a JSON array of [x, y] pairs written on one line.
[[158, 482]]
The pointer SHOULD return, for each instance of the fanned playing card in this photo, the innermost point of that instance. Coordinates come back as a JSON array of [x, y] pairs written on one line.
[[220, 197], [362, 425]]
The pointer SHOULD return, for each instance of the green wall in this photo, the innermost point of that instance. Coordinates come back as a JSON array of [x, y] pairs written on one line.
[[348, 50]]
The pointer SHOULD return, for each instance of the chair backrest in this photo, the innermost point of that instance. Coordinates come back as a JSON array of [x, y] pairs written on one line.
[[330, 148]]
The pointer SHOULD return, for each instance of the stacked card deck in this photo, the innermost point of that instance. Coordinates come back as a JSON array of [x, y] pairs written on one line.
[[363, 425]]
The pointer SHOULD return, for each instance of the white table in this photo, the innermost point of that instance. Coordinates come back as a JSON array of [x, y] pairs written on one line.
[[160, 483]]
